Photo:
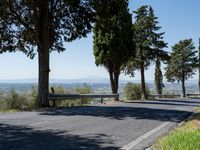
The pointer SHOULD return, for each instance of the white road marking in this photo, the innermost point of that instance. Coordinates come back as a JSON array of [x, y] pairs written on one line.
[[135, 142], [143, 137]]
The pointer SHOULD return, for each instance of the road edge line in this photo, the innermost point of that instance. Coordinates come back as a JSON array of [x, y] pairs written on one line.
[[144, 136]]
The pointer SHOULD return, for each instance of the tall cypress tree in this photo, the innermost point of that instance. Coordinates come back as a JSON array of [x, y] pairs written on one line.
[[158, 77], [199, 65], [113, 38], [161, 56]]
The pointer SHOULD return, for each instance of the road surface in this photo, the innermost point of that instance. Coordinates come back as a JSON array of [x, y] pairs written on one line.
[[115, 126]]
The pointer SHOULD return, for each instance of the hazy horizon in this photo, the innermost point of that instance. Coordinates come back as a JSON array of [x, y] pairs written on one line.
[[78, 60], [89, 79]]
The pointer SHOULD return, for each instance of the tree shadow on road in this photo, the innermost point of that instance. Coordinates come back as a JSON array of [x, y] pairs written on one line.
[[25, 138], [120, 113]]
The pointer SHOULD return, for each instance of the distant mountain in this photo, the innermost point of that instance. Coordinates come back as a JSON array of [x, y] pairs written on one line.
[[19, 81], [91, 79]]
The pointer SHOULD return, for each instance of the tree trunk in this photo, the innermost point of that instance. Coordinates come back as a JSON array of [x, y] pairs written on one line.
[[43, 56], [114, 81], [158, 80], [144, 96], [183, 88], [43, 87]]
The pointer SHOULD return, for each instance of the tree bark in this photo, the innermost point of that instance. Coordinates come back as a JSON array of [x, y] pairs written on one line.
[[144, 96], [111, 82], [183, 88], [43, 87], [43, 56], [114, 81]]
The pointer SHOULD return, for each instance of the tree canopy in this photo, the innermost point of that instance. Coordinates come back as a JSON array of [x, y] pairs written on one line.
[[158, 78], [24, 21], [113, 38], [183, 63], [149, 43]]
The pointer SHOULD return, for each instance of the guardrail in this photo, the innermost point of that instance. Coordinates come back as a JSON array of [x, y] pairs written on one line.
[[56, 97], [80, 96], [164, 96], [193, 95]]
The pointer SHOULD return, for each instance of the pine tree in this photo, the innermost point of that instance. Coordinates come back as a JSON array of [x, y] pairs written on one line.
[[183, 63], [147, 42]]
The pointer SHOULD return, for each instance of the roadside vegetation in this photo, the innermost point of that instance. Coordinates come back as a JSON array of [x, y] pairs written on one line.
[[14, 100], [133, 91], [85, 89], [185, 137]]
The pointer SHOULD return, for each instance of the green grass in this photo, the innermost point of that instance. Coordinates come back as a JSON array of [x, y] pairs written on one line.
[[185, 137], [8, 111]]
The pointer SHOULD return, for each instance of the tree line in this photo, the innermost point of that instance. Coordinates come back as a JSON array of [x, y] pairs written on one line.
[[120, 45]]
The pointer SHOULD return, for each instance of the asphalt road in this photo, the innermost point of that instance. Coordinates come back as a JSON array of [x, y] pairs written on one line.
[[115, 126]]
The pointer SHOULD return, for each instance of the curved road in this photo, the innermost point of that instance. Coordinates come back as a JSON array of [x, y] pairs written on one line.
[[115, 126]]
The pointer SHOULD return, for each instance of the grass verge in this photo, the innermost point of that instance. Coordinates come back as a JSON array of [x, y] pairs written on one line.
[[185, 137]]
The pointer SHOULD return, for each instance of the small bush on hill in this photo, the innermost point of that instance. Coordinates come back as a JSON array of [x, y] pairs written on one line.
[[85, 89], [18, 100], [32, 102], [132, 91]]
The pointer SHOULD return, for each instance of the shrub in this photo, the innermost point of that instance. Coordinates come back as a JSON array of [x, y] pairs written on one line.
[[85, 89], [18, 100], [2, 101], [14, 100], [32, 102], [132, 91]]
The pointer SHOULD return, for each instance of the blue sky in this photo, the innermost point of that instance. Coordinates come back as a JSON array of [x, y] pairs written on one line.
[[179, 19]]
